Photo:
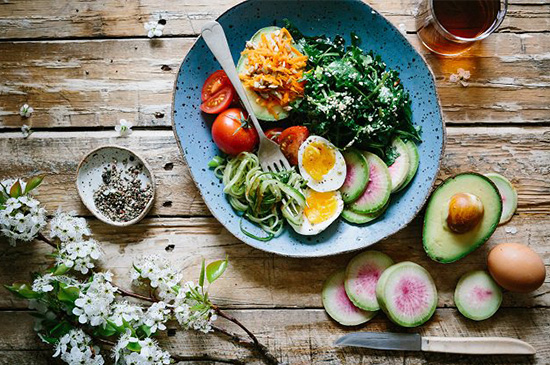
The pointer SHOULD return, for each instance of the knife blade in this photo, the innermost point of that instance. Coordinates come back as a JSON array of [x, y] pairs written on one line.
[[456, 345]]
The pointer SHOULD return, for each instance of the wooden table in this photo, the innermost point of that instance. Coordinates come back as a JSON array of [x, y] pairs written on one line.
[[83, 65]]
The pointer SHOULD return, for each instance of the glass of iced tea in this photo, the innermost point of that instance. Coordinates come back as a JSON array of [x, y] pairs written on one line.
[[450, 27]]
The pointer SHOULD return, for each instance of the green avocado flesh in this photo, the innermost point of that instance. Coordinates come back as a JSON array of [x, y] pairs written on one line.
[[443, 245], [261, 112]]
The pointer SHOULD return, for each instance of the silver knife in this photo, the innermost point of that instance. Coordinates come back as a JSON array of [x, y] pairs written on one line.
[[454, 345]]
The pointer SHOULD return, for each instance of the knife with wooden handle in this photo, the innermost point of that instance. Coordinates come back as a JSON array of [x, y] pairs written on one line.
[[453, 345]]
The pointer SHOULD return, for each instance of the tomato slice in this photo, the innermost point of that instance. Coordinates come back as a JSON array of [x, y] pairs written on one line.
[[213, 84], [218, 102], [290, 141], [273, 134]]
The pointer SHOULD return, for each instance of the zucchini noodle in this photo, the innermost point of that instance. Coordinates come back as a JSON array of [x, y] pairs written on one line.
[[264, 198]]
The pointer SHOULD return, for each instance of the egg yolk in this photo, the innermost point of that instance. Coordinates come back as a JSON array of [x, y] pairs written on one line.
[[318, 159], [320, 206]]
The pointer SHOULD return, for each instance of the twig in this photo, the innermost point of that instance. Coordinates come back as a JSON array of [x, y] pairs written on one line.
[[261, 349], [233, 336], [127, 293], [45, 239], [206, 357]]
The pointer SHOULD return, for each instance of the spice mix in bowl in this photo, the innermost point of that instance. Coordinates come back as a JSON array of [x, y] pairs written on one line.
[[116, 185]]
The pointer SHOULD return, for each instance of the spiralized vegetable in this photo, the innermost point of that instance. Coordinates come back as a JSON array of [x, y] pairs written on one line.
[[264, 198]]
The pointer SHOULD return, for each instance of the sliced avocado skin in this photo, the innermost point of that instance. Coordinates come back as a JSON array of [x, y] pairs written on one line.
[[435, 206], [261, 112]]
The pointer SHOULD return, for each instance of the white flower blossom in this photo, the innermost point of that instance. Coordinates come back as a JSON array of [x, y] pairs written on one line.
[[76, 347], [154, 29], [160, 274], [26, 131], [156, 316], [124, 127], [125, 312], [26, 111], [93, 305], [43, 284], [149, 352], [21, 218], [79, 255], [186, 313], [68, 227]]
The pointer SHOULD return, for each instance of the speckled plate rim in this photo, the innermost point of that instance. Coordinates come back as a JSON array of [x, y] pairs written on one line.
[[92, 209], [320, 254]]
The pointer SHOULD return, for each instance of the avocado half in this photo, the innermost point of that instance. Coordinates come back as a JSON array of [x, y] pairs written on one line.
[[261, 112], [445, 246]]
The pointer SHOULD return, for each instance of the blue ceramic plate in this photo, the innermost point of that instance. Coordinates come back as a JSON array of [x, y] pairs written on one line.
[[192, 128]]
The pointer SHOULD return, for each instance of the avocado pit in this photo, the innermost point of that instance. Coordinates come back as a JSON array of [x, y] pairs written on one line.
[[465, 212]]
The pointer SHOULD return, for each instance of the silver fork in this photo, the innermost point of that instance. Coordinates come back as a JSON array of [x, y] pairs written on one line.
[[269, 153]]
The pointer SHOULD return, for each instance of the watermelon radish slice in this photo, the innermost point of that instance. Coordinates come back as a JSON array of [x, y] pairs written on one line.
[[378, 190], [357, 175], [407, 294], [477, 295], [362, 274], [414, 158], [399, 169], [508, 194], [338, 305], [357, 218]]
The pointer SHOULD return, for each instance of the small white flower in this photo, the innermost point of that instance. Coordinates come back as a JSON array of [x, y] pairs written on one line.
[[156, 316], [191, 314], [149, 354], [124, 128], [125, 312], [159, 273], [79, 255], [26, 111], [26, 131], [76, 347], [21, 218], [154, 29], [43, 284], [68, 228], [93, 305]]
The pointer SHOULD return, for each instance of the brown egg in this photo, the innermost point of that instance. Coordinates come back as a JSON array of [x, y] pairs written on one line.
[[465, 212], [516, 267]]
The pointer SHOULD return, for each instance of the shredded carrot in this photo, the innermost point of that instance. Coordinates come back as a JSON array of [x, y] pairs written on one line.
[[274, 70]]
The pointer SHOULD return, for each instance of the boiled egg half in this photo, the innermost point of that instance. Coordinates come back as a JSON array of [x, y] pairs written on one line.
[[321, 164], [322, 208]]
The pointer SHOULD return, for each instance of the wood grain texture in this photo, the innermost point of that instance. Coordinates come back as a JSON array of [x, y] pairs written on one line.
[[94, 83], [521, 154], [256, 279], [24, 19], [306, 337]]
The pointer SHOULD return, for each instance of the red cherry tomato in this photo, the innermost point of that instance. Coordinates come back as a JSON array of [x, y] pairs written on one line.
[[273, 134], [218, 102], [290, 140], [213, 84], [233, 134]]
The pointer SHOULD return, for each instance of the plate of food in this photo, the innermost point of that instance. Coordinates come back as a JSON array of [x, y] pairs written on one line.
[[352, 105]]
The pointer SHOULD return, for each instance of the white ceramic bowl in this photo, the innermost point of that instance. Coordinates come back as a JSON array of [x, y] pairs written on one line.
[[90, 169]]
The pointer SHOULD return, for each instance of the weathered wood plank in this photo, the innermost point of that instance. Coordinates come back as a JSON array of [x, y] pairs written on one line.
[[95, 83], [257, 279], [307, 336], [115, 18], [522, 154]]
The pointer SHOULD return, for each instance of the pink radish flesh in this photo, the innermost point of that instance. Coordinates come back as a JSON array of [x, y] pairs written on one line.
[[410, 296], [350, 176], [373, 187]]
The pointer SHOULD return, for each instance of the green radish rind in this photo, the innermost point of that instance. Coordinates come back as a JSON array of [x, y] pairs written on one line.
[[414, 161], [477, 296], [439, 242], [394, 274], [261, 112], [361, 293], [358, 169], [400, 168], [358, 218], [336, 302], [379, 180], [508, 194]]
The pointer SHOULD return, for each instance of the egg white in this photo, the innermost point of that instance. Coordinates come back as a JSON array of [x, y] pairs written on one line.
[[334, 178], [309, 229]]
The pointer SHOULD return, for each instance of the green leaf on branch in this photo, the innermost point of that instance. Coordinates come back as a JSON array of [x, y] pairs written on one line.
[[60, 270], [134, 346], [33, 183], [47, 339], [15, 191], [146, 330], [3, 199], [107, 330], [215, 269], [201, 276], [61, 329], [23, 290], [67, 294]]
